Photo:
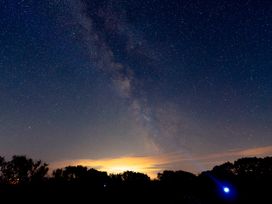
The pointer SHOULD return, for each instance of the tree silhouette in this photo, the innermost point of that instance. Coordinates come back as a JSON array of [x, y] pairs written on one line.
[[177, 185], [21, 170], [176, 177], [2, 169], [71, 173], [79, 175], [134, 178], [226, 171]]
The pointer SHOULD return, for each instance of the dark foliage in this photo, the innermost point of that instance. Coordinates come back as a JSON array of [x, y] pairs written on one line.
[[25, 180]]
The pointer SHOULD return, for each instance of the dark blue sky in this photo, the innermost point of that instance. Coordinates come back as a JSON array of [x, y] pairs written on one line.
[[96, 79]]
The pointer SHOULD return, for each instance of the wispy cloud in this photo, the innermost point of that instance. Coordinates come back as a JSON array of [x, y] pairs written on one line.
[[209, 160], [249, 152], [257, 151]]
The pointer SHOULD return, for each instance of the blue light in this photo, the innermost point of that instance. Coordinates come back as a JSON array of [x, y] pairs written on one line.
[[226, 190]]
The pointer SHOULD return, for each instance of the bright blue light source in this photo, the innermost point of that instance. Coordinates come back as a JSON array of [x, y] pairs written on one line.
[[226, 190]]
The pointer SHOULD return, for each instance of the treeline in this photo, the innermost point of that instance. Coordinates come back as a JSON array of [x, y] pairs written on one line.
[[248, 180]]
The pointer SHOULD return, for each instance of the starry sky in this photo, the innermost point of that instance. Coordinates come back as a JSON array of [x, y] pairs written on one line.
[[139, 85]]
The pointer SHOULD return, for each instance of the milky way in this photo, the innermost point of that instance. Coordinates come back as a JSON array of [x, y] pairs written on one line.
[[100, 23], [101, 79]]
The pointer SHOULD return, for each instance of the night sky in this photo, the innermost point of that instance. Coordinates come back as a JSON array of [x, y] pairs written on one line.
[[138, 85]]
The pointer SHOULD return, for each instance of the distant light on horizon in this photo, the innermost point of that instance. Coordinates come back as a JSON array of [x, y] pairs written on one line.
[[144, 164], [122, 168], [226, 190]]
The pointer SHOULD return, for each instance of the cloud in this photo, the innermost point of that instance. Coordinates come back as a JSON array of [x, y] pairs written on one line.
[[257, 151], [249, 152], [210, 160], [154, 164]]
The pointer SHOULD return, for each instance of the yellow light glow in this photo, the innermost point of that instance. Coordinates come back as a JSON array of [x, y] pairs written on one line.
[[118, 165], [119, 169], [147, 165], [151, 165]]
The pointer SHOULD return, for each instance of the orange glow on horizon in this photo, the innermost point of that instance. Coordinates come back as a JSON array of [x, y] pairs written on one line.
[[146, 165], [152, 165]]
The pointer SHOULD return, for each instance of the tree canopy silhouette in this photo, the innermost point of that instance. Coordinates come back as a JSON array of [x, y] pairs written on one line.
[[22, 170]]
